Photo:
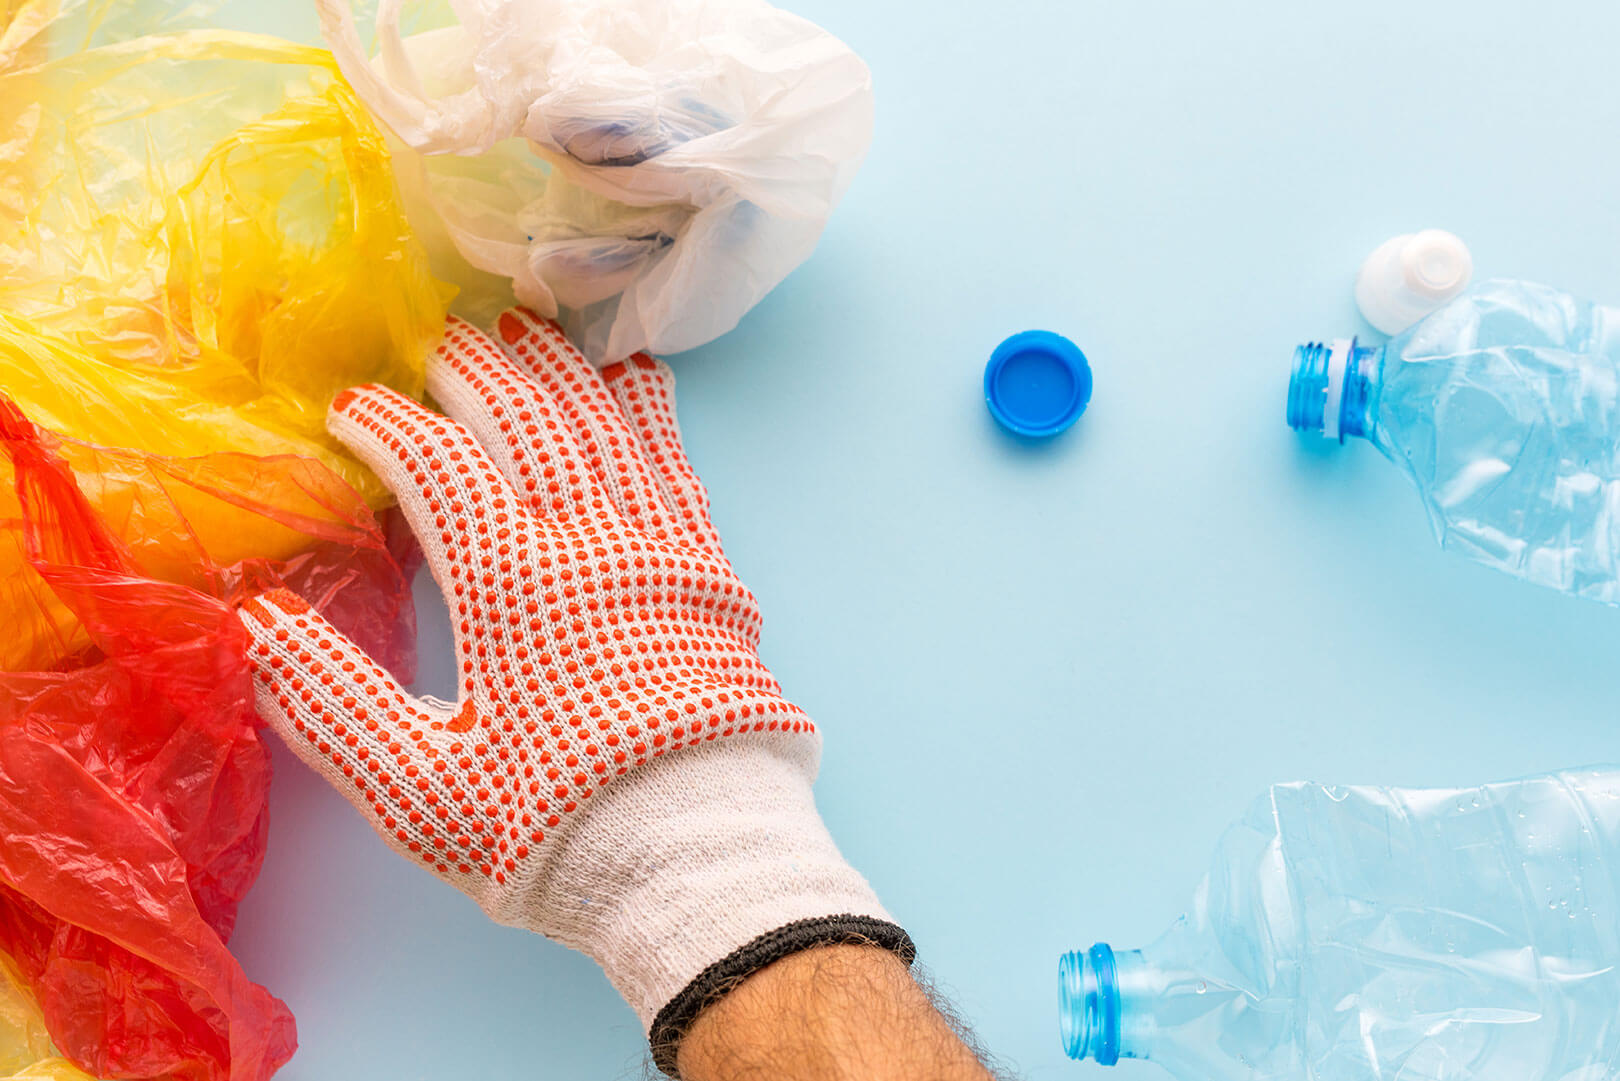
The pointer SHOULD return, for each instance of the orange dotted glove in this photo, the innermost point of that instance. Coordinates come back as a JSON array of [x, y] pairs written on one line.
[[621, 772]]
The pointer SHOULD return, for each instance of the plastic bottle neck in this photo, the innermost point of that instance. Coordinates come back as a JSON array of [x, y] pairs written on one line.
[[1160, 1004], [1334, 388], [1095, 989]]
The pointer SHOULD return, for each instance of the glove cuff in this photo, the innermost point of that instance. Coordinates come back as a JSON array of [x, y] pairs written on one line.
[[690, 872], [714, 982]]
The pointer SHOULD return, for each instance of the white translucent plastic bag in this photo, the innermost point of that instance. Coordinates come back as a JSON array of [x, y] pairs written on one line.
[[647, 169]]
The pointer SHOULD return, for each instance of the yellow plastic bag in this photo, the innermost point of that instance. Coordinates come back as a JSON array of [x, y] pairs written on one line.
[[201, 242], [26, 1053]]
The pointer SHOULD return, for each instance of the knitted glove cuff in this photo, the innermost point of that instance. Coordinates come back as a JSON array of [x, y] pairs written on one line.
[[716, 981], [694, 870]]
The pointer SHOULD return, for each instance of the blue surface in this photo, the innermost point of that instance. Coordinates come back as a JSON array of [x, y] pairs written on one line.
[[1049, 675]]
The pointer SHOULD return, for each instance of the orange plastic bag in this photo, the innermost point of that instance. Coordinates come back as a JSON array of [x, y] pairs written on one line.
[[26, 1052], [132, 786], [183, 518]]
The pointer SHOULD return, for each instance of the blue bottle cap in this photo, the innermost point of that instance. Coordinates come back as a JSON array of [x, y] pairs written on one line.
[[1037, 383]]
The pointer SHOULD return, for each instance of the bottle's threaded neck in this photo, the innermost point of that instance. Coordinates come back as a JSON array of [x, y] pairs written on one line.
[[1307, 387], [1333, 389], [1088, 1004]]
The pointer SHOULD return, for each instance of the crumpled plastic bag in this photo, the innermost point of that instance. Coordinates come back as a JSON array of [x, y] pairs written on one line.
[[647, 169], [201, 242], [133, 780], [26, 1052], [201, 239]]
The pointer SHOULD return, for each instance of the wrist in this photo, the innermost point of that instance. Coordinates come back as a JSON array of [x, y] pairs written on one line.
[[670, 1027], [837, 1013]]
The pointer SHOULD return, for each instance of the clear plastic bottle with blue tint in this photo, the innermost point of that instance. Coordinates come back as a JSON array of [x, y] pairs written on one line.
[[1504, 409], [1352, 934]]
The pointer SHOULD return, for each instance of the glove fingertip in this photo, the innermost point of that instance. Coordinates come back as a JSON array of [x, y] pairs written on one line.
[[516, 324], [349, 403], [343, 398], [286, 600], [254, 609], [510, 327], [638, 362], [262, 607]]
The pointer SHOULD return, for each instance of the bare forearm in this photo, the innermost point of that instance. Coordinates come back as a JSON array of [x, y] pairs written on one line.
[[828, 1014]]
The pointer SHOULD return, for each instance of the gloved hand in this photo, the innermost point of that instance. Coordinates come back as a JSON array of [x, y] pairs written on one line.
[[621, 772]]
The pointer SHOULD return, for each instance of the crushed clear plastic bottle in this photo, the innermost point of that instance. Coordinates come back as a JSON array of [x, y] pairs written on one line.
[[1356, 934], [1504, 409]]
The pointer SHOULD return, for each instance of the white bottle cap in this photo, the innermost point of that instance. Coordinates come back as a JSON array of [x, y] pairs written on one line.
[[1409, 276]]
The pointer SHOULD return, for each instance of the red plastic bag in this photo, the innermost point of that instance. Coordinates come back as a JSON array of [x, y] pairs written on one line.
[[133, 778]]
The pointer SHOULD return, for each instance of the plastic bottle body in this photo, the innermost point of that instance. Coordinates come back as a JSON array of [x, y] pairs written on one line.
[[1504, 409], [1428, 935]]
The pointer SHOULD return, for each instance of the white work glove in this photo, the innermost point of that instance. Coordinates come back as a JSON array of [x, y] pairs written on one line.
[[621, 772]]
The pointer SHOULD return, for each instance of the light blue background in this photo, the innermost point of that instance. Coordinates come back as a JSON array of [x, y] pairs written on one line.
[[1048, 676]]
